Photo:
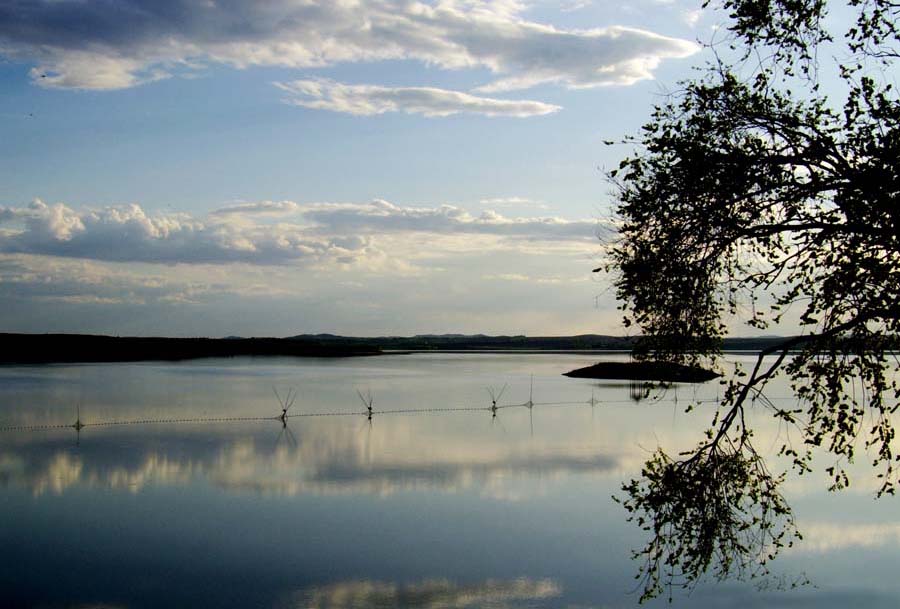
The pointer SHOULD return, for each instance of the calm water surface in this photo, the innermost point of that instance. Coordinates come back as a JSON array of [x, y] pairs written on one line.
[[439, 508]]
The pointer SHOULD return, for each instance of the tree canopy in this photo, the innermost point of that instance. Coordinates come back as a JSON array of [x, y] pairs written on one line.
[[767, 189]]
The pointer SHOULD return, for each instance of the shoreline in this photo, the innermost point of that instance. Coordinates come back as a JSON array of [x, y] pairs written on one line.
[[23, 349]]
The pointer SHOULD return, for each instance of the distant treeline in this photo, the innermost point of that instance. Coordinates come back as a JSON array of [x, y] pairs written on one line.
[[49, 348], [464, 342]]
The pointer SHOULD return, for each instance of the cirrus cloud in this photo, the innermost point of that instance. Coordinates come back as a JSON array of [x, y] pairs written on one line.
[[275, 208], [369, 100]]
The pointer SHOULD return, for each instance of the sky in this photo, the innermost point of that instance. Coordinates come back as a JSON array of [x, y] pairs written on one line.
[[359, 167]]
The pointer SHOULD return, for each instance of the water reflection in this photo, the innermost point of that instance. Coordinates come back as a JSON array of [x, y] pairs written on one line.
[[429, 594], [716, 513], [319, 459], [432, 503]]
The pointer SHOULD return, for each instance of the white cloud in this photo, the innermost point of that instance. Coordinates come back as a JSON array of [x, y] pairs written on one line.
[[128, 234], [384, 216], [368, 100], [513, 202], [275, 208], [262, 269], [303, 233], [96, 71], [83, 284], [93, 45]]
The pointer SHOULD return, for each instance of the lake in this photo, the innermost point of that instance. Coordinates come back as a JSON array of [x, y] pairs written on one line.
[[433, 503]]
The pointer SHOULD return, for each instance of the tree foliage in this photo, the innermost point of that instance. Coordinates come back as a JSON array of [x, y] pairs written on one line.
[[768, 189]]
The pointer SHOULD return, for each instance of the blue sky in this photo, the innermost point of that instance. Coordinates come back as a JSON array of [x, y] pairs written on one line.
[[197, 167]]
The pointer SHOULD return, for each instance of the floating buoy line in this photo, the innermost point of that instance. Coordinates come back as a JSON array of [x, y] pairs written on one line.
[[369, 413]]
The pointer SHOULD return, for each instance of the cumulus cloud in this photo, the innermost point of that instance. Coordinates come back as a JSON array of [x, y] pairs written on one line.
[[101, 45], [369, 100], [128, 234], [317, 232]]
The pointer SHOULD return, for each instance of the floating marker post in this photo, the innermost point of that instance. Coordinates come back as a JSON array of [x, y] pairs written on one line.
[[368, 401], [286, 403], [78, 424], [495, 397]]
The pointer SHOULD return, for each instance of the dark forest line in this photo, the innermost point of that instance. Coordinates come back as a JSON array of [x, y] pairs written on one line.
[[59, 348], [465, 342]]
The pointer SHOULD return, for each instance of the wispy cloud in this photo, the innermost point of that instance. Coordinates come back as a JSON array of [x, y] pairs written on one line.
[[692, 17], [275, 208], [533, 279], [44, 279], [368, 100], [513, 202], [575, 5], [380, 215], [99, 45]]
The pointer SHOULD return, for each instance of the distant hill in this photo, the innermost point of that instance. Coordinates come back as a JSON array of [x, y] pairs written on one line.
[[480, 342]]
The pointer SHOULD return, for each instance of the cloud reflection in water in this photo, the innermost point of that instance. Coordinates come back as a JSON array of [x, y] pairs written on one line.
[[324, 460], [428, 594]]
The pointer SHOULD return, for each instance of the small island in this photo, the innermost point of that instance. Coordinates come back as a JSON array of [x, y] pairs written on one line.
[[644, 371]]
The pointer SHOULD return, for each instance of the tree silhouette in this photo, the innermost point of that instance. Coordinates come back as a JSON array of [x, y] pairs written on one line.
[[767, 189]]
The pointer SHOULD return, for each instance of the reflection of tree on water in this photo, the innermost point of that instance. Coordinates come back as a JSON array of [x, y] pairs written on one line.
[[638, 390], [753, 196], [718, 510], [656, 391]]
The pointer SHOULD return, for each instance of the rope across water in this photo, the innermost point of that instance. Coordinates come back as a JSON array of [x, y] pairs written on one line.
[[357, 413]]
